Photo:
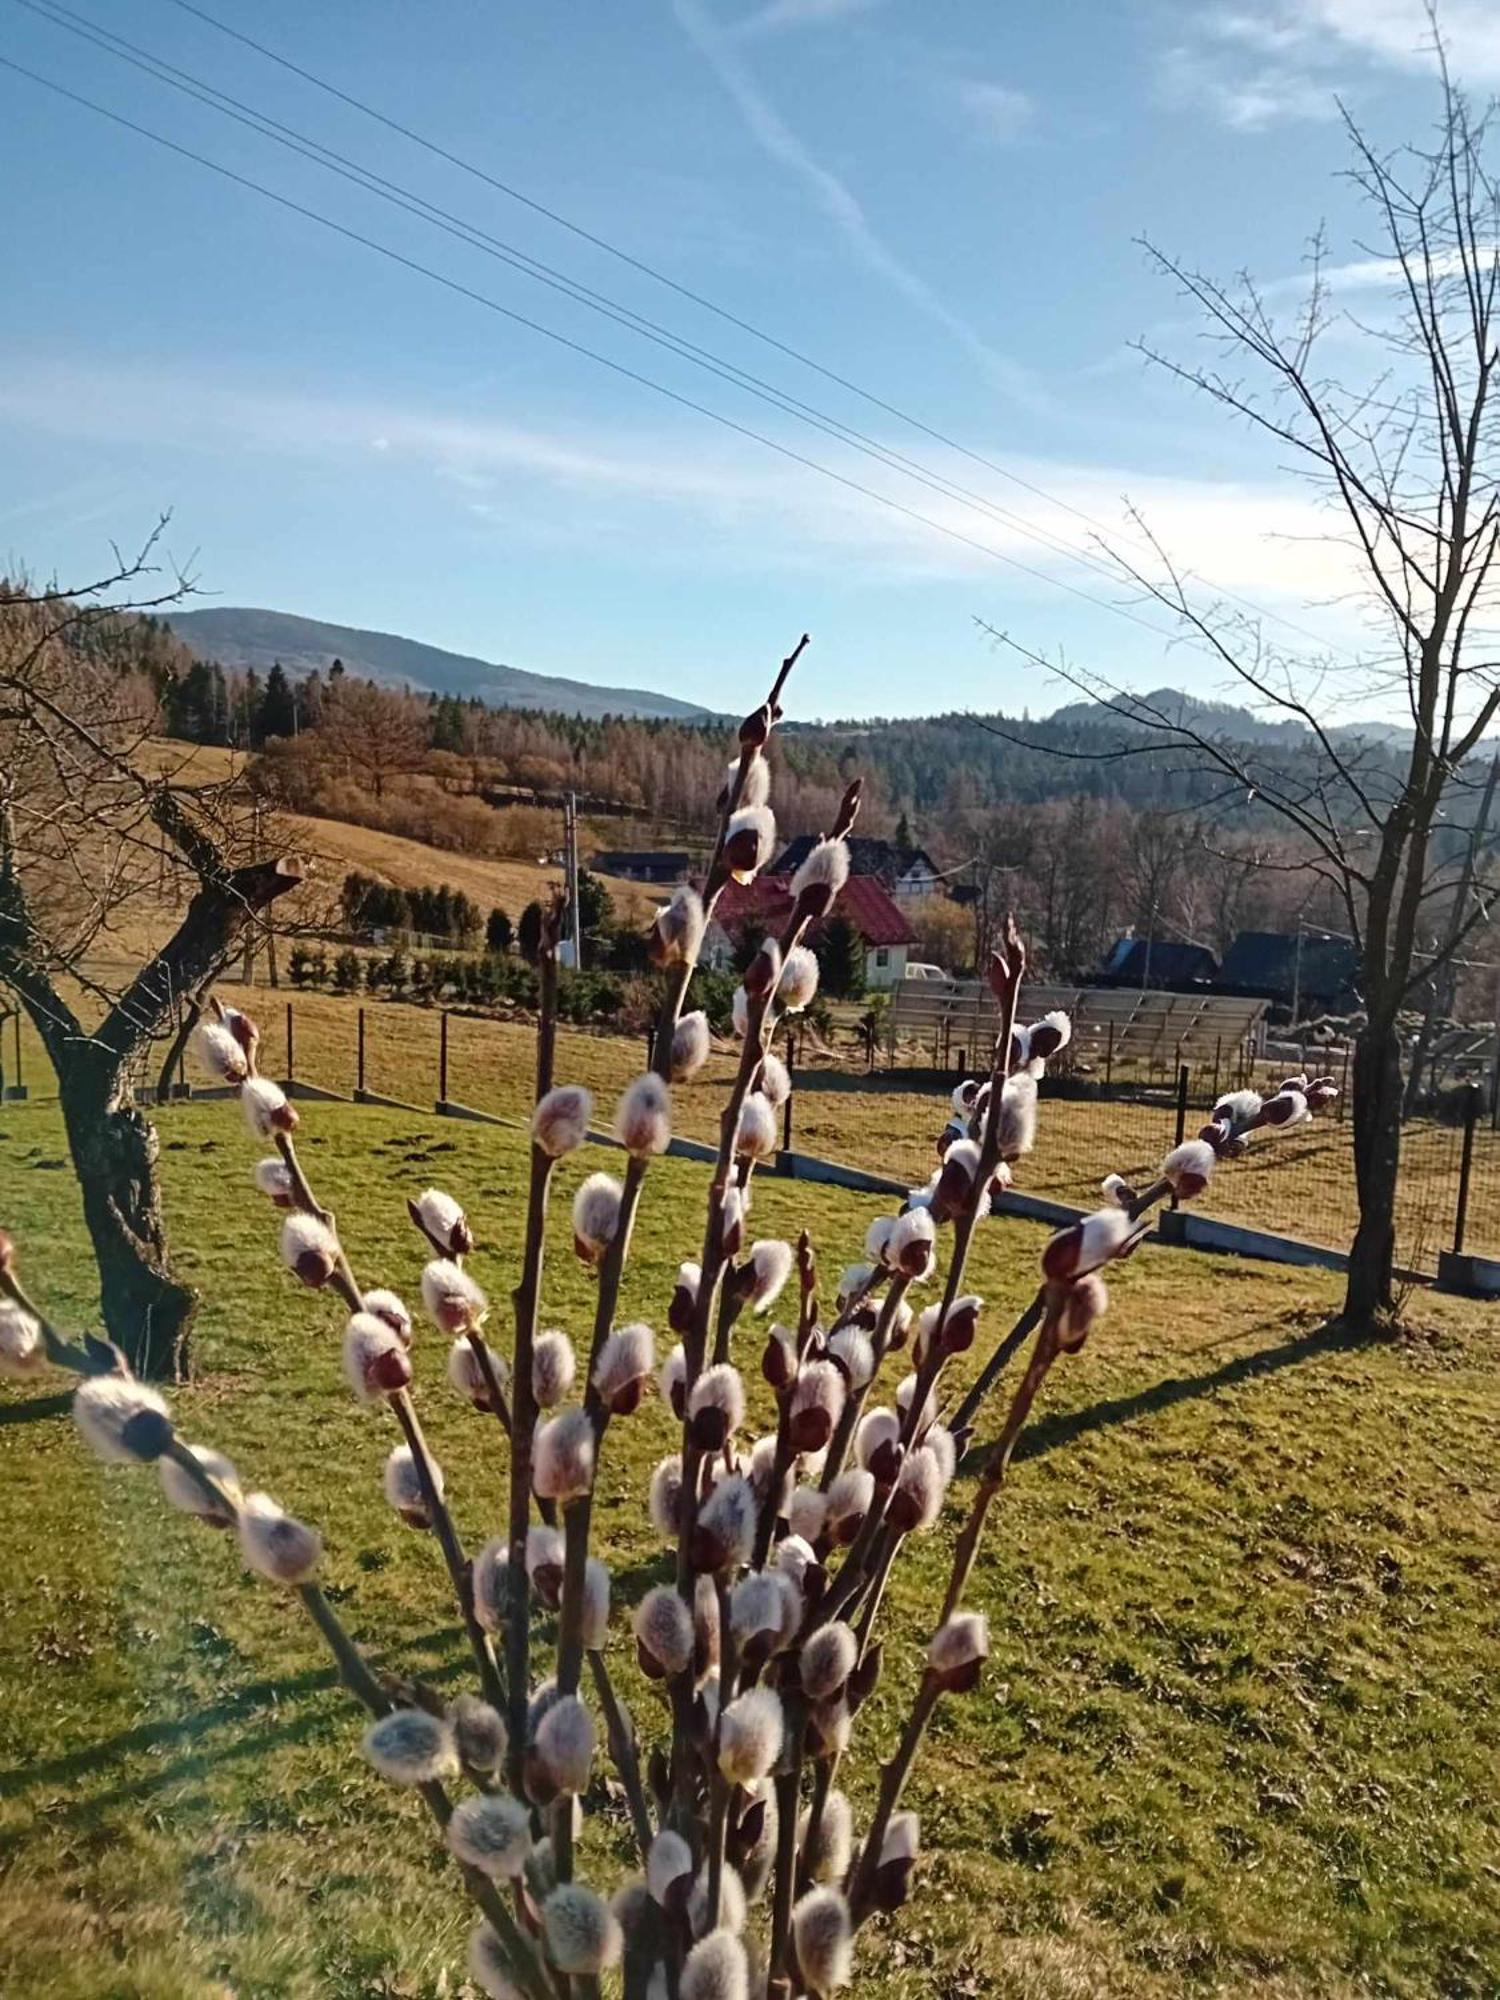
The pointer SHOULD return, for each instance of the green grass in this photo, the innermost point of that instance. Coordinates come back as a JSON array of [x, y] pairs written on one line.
[[1237, 1735]]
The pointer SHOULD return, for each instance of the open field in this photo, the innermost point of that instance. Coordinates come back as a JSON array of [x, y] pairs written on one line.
[[1237, 1736]]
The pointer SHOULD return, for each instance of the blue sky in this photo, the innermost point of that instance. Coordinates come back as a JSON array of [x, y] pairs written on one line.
[[938, 201]]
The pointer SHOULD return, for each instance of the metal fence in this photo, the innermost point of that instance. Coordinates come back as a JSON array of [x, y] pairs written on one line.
[[1298, 1184]]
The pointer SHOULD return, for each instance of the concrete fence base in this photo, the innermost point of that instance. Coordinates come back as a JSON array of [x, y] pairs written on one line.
[[1183, 1226], [1472, 1277]]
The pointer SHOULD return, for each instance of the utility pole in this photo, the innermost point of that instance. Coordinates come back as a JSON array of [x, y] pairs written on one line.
[[570, 859]]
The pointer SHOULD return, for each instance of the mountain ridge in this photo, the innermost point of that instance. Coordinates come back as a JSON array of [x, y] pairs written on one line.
[[248, 636]]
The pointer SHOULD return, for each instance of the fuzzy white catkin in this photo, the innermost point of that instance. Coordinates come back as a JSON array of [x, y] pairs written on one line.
[[185, 1494], [903, 1838], [274, 1179], [808, 1512], [664, 1628], [219, 1052], [402, 1486], [755, 786], [755, 1608], [757, 1135], [552, 1368], [827, 1860], [626, 1358], [959, 1641], [750, 1732], [375, 1362], [489, 1965], [545, 1547], [490, 1584], [921, 1485], [1017, 1116], [273, 1544], [849, 1498], [411, 1747], [595, 1604], [912, 1243], [854, 1281], [680, 925], [1189, 1165], [22, 1353], [581, 1934], [491, 1833], [385, 1305], [823, 1938], [479, 1732], [798, 986], [668, 1862], [596, 1215], [265, 1107], [309, 1249], [690, 1046], [565, 1744], [563, 1456], [106, 1409], [878, 1238], [453, 1301], [643, 1117], [828, 1659], [748, 840], [731, 1903], [716, 1969], [560, 1122], [442, 1220], [771, 1264], [729, 1516], [826, 867], [876, 1429], [853, 1348], [664, 1497], [720, 1388], [775, 1079]]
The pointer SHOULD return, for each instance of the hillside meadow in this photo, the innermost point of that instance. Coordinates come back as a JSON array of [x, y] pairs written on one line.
[[1237, 1734]]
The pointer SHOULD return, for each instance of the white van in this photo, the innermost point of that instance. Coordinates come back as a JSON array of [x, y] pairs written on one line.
[[915, 969]]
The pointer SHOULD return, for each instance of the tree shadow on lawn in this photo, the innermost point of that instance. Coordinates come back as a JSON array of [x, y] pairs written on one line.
[[1048, 1433], [148, 1736]]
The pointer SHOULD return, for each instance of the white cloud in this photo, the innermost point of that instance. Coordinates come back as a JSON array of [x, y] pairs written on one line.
[[676, 496], [778, 15], [995, 111], [837, 201], [1252, 67]]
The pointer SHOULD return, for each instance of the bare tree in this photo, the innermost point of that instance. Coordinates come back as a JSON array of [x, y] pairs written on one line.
[[123, 892], [1407, 462]]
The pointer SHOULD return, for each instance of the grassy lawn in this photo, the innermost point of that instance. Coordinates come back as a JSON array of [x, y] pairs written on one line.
[[1237, 1735]]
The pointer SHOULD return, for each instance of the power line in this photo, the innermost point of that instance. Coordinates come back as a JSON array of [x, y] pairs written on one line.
[[573, 346], [402, 197], [699, 299]]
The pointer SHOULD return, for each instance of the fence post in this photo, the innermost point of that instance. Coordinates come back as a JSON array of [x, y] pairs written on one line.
[[1182, 1097], [1465, 1166], [443, 1057], [1109, 1056], [360, 1061], [1218, 1050], [291, 1046], [786, 1109], [1344, 1086]]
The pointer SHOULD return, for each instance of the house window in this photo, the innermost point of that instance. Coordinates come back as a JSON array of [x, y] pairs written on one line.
[[882, 957]]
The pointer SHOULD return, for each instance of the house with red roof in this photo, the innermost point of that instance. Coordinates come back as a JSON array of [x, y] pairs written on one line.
[[766, 904]]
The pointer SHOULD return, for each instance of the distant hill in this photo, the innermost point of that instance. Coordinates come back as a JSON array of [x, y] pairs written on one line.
[[242, 637]]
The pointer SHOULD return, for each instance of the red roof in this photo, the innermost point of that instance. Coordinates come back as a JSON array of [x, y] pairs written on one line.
[[767, 901]]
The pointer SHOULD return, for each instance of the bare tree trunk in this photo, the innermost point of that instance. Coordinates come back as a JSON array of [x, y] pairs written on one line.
[[147, 1312], [1377, 1159]]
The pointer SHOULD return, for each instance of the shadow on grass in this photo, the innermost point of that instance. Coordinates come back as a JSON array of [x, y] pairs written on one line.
[[149, 1736], [37, 1410], [1062, 1427]]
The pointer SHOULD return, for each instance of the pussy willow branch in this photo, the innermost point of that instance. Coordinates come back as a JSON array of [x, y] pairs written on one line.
[[997, 1459], [854, 1402], [525, 1299], [578, 1517], [622, 1748], [344, 1283]]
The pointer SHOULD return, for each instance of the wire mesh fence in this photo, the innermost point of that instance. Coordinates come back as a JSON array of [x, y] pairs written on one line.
[[1299, 1184]]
